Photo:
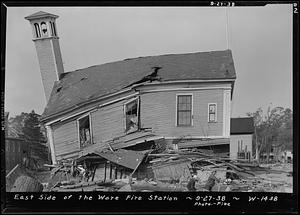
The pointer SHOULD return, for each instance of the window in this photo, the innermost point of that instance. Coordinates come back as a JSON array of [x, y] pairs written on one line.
[[131, 116], [37, 30], [184, 110], [53, 31], [84, 131], [51, 28], [212, 112]]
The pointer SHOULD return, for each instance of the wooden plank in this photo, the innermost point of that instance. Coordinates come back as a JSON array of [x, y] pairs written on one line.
[[105, 171]]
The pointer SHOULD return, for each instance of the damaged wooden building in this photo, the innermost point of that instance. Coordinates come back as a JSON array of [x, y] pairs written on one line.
[[134, 105]]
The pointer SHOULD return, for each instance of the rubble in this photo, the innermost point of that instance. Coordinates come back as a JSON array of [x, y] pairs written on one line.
[[170, 170]]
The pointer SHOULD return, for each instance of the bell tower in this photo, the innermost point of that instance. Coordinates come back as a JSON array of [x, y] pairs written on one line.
[[46, 42]]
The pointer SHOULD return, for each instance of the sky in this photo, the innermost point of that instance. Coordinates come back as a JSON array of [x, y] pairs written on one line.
[[260, 39]]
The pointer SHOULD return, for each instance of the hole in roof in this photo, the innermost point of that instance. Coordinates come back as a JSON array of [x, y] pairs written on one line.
[[58, 89]]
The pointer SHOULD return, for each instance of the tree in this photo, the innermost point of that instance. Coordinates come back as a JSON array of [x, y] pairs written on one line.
[[31, 127], [26, 126], [273, 130]]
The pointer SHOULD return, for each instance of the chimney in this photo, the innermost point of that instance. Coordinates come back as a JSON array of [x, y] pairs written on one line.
[[46, 42]]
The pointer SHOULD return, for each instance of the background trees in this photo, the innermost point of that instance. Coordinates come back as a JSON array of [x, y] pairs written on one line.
[[273, 130], [27, 127]]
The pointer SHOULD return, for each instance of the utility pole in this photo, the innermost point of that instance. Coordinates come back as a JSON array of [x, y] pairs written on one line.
[[227, 24]]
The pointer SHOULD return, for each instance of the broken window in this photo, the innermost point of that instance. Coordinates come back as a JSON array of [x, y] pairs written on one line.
[[212, 112], [131, 116], [184, 110], [84, 131]]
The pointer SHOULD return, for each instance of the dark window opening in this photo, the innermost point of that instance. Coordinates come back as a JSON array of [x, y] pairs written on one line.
[[212, 109], [85, 131], [131, 111], [184, 110], [51, 28], [58, 89], [54, 29], [53, 33], [44, 29], [37, 30]]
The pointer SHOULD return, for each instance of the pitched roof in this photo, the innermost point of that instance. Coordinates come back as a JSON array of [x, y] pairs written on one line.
[[39, 15], [242, 125], [80, 86]]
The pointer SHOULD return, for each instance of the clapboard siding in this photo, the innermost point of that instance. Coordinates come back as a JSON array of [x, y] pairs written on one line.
[[107, 122], [158, 110], [65, 138]]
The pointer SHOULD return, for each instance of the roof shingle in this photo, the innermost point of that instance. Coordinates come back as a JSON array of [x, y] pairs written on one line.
[[242, 125]]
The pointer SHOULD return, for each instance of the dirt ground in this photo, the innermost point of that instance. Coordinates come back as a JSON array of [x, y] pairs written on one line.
[[279, 182]]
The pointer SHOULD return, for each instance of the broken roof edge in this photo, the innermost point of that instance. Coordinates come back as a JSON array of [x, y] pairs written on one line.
[[179, 81], [51, 117], [122, 144], [132, 162]]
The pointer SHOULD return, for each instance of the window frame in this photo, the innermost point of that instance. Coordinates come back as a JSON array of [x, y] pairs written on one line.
[[208, 113], [192, 109], [37, 30], [138, 114], [91, 130], [52, 27]]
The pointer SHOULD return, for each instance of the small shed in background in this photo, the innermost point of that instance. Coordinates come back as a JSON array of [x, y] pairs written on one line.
[[241, 138]]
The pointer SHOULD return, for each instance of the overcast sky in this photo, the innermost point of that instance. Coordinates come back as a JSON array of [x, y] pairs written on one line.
[[260, 39]]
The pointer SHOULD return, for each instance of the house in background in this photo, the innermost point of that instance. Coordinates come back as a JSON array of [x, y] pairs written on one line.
[[180, 100], [16, 148], [241, 137]]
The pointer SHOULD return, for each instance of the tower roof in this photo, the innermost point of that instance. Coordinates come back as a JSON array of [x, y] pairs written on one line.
[[40, 14]]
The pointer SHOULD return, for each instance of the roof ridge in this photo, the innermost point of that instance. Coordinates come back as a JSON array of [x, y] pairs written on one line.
[[214, 51], [149, 56]]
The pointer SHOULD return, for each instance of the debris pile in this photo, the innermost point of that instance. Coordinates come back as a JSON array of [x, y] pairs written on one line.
[[170, 170]]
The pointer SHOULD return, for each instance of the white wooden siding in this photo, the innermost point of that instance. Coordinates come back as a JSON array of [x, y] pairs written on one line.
[[158, 110], [65, 138]]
